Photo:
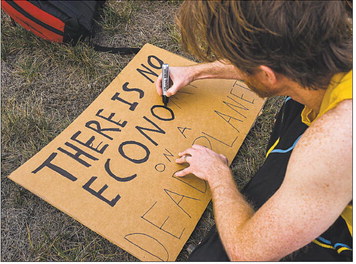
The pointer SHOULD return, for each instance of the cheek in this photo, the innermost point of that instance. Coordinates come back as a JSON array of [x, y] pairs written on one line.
[[253, 83], [257, 87]]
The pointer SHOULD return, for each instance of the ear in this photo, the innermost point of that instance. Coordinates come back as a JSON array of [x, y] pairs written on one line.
[[268, 74]]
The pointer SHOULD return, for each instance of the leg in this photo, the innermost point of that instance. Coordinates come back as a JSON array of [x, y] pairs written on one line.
[[210, 249]]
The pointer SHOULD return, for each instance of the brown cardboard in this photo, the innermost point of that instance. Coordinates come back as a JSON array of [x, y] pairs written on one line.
[[112, 168]]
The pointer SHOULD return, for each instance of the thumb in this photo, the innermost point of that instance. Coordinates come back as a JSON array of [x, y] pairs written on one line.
[[173, 90]]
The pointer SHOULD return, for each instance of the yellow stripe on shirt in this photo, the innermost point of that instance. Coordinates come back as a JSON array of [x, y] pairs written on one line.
[[272, 148], [347, 216], [342, 249], [322, 244]]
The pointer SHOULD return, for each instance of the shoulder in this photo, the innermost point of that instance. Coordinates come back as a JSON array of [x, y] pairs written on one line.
[[333, 126], [324, 153], [317, 186]]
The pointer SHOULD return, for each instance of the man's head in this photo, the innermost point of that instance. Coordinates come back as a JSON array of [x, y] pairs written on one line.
[[305, 41]]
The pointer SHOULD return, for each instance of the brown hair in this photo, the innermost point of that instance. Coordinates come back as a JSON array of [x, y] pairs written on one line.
[[307, 41]]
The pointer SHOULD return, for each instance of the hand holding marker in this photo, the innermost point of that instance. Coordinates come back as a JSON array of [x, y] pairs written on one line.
[[165, 83]]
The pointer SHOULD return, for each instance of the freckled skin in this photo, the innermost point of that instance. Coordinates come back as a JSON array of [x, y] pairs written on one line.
[[316, 189], [318, 181]]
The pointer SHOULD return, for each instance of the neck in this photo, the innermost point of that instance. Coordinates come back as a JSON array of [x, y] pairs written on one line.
[[310, 98]]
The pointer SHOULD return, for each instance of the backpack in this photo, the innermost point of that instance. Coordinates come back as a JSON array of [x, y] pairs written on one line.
[[59, 21]]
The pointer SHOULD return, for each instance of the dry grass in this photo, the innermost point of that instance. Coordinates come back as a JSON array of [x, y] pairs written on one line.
[[45, 86]]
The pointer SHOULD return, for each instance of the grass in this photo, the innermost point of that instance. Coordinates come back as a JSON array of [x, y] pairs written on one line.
[[45, 86], [116, 15]]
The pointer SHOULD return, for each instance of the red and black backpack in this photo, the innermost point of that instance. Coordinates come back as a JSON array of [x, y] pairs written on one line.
[[58, 21]]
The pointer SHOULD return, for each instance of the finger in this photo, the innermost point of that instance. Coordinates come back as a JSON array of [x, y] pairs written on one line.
[[182, 173], [196, 146], [187, 152], [173, 90], [224, 158], [181, 160], [184, 159], [158, 84]]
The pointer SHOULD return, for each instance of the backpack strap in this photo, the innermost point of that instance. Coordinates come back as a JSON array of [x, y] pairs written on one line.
[[121, 50]]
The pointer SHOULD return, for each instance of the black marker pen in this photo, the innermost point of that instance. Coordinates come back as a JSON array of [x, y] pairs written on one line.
[[165, 83]]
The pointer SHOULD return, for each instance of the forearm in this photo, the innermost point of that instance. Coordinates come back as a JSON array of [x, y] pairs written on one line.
[[182, 76], [231, 212], [215, 70]]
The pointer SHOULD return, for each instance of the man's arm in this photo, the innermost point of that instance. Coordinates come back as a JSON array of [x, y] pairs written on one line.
[[182, 76], [316, 189]]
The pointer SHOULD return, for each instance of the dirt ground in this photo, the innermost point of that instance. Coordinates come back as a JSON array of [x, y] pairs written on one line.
[[44, 87]]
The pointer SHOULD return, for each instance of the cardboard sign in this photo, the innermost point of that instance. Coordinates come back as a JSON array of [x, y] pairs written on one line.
[[113, 168]]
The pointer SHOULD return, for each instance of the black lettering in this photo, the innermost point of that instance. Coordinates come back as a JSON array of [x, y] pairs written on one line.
[[77, 154], [221, 141], [177, 97], [132, 105], [98, 194], [194, 182], [154, 62], [134, 160], [241, 84], [236, 107], [119, 123], [171, 113], [242, 97], [126, 89], [192, 85], [160, 167], [158, 129], [159, 225], [203, 141], [149, 244], [172, 100], [229, 119], [151, 59], [120, 179], [182, 129], [147, 72], [97, 128], [168, 155], [47, 163], [89, 143], [178, 198]]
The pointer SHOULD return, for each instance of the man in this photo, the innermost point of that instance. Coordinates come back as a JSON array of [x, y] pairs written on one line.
[[300, 201]]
